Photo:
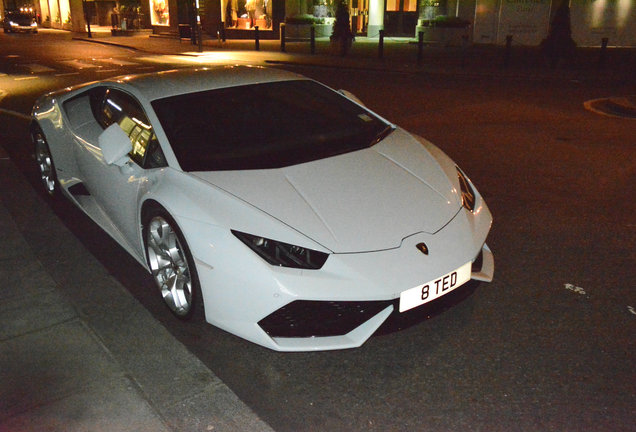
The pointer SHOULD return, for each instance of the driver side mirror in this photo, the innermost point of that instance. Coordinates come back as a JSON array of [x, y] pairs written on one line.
[[115, 145]]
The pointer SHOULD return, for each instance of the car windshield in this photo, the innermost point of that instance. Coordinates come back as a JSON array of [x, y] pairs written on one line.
[[262, 126], [19, 16]]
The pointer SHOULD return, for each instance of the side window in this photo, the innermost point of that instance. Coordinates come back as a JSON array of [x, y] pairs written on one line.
[[118, 107]]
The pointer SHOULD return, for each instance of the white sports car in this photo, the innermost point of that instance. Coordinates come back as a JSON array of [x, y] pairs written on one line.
[[288, 212]]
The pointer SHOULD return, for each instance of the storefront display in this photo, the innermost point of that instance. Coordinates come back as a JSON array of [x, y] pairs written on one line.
[[248, 14], [159, 13]]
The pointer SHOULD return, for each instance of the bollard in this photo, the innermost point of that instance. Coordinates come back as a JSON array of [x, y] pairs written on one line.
[[507, 52], [381, 45], [602, 58], [199, 36], [257, 42], [282, 37], [420, 47], [312, 35]]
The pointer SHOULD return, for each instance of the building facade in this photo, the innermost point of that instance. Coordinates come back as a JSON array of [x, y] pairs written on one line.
[[528, 21], [486, 21]]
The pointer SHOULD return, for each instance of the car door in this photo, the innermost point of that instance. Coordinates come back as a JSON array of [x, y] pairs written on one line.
[[116, 189]]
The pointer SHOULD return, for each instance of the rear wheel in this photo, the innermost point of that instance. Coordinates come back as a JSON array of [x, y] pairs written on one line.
[[171, 264], [44, 162]]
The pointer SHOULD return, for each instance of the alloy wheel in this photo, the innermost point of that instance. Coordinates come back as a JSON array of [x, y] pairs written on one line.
[[169, 266], [45, 163]]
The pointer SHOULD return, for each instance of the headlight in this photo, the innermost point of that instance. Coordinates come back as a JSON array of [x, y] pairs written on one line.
[[468, 194], [283, 254], [12, 24]]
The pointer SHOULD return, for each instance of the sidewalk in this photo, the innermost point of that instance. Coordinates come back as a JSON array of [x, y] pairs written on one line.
[[77, 351], [399, 55]]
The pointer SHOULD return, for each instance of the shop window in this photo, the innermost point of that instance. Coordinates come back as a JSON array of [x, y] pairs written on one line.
[[247, 14], [159, 13], [401, 5]]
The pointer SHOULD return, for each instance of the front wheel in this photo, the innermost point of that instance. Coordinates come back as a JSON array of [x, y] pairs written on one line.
[[44, 161], [171, 264]]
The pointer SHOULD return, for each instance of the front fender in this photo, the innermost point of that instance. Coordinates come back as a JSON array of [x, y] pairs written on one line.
[[193, 202]]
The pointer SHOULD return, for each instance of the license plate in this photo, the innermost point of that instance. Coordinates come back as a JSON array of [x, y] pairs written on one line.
[[434, 289]]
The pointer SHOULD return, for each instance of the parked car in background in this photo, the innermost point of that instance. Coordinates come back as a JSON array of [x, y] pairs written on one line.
[[19, 22]]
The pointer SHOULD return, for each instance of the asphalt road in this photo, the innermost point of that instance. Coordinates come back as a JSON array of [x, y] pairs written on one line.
[[548, 345]]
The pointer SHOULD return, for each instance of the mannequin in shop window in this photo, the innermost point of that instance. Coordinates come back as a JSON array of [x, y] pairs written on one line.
[[114, 17], [250, 6], [230, 20]]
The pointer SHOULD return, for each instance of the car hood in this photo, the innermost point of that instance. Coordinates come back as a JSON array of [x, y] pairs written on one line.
[[366, 200]]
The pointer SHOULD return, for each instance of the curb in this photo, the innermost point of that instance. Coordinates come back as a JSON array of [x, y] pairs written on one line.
[[618, 107], [103, 42]]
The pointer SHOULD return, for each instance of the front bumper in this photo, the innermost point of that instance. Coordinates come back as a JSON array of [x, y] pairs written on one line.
[[319, 319], [271, 306], [22, 28], [339, 309], [329, 325]]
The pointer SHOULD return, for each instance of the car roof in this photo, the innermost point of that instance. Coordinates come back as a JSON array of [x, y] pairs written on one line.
[[159, 85]]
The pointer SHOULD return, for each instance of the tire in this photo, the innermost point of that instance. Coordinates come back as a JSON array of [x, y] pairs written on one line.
[[44, 162], [171, 264]]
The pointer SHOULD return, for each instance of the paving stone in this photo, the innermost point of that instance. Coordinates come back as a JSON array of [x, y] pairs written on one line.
[[21, 315], [48, 365], [114, 406]]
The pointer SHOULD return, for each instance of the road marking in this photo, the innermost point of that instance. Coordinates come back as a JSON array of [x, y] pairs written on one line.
[[117, 62], [575, 289], [631, 310], [15, 114], [66, 74], [107, 70], [37, 68], [26, 78], [78, 64]]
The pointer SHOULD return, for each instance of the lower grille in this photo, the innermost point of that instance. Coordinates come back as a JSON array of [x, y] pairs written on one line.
[[304, 318]]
